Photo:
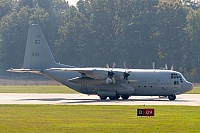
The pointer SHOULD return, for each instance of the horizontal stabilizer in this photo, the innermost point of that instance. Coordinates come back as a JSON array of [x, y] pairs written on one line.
[[24, 70]]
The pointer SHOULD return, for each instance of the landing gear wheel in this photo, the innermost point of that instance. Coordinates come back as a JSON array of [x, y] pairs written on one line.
[[125, 97], [103, 97], [114, 97], [172, 97], [117, 97]]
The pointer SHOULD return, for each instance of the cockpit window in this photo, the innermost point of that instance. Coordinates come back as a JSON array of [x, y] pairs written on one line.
[[177, 76]]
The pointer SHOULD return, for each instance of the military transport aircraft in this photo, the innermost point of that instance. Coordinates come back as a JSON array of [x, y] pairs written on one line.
[[104, 82]]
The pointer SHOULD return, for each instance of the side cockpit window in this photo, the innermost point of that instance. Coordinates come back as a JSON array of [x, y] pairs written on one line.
[[176, 83]]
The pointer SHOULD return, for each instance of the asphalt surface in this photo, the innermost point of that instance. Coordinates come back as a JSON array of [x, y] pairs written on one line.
[[81, 99]]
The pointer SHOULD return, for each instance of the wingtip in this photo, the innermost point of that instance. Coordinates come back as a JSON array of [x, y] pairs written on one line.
[[10, 70]]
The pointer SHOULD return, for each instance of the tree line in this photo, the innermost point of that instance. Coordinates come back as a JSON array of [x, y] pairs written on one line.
[[97, 32]]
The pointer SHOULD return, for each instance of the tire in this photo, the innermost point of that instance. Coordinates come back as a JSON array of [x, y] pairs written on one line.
[[103, 97], [172, 97], [125, 97], [112, 97]]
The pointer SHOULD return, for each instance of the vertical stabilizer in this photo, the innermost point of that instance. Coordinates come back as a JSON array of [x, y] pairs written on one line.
[[37, 53]]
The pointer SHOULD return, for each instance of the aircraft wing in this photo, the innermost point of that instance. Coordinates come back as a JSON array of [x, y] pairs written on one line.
[[76, 69], [95, 73], [80, 70]]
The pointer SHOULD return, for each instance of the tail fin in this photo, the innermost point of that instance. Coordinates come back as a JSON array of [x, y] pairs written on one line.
[[37, 54]]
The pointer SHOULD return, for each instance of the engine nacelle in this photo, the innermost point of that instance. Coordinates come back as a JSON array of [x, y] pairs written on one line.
[[128, 90], [97, 74]]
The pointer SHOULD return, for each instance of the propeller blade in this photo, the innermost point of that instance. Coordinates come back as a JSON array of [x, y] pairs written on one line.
[[107, 66], [113, 80], [113, 65], [172, 67], [153, 64], [124, 65], [108, 81], [166, 68]]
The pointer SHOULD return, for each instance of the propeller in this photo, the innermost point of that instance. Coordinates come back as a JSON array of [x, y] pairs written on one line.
[[110, 78], [126, 73], [166, 68]]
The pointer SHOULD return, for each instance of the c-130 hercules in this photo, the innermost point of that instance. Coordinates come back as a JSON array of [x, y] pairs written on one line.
[[104, 82]]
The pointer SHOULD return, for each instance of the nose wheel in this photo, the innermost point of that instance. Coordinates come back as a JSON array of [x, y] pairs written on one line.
[[172, 97]]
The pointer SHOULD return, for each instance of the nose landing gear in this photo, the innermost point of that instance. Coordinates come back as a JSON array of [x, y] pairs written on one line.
[[172, 97]]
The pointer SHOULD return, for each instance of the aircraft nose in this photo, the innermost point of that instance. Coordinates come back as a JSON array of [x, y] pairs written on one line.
[[187, 87]]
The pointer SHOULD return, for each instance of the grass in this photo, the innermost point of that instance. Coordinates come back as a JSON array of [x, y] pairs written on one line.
[[91, 119], [196, 90], [36, 89]]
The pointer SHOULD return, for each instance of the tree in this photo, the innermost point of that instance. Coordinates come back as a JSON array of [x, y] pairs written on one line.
[[193, 30], [172, 41], [14, 28], [5, 7], [108, 18], [74, 35], [138, 35]]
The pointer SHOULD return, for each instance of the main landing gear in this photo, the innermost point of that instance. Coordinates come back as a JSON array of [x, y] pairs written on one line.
[[172, 97], [124, 97]]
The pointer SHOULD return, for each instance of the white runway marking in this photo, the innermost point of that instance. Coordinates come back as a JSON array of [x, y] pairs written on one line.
[[81, 99]]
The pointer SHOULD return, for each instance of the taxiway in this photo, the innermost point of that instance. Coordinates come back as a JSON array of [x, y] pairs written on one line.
[[81, 99]]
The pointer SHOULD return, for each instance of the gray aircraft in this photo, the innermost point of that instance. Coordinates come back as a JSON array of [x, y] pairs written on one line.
[[104, 82]]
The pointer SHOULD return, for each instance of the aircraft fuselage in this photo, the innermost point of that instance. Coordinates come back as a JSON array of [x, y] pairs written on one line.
[[141, 82]]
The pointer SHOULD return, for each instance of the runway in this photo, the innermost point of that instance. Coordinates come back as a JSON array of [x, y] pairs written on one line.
[[81, 99]]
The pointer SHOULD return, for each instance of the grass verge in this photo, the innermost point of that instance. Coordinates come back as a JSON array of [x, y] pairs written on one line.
[[196, 90], [36, 89], [91, 119]]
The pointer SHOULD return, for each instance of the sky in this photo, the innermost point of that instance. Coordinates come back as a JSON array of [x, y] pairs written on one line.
[[72, 2]]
